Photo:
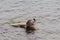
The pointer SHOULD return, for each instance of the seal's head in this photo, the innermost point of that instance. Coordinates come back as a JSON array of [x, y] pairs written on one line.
[[30, 22], [30, 25]]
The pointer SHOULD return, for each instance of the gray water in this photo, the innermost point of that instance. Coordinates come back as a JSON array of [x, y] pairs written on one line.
[[46, 13]]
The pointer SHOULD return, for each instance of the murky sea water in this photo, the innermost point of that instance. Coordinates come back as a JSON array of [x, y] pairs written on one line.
[[46, 13]]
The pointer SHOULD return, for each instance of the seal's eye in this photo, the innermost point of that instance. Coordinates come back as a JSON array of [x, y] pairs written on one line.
[[34, 19]]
